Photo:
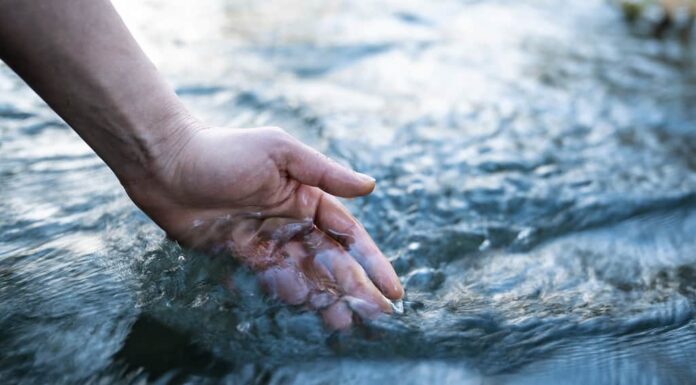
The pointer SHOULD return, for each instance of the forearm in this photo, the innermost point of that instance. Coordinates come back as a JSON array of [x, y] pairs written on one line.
[[80, 58]]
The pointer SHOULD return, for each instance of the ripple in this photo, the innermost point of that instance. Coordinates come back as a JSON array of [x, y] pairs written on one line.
[[536, 195]]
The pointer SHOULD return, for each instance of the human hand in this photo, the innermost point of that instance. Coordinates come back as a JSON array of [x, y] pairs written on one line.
[[266, 198], [257, 194]]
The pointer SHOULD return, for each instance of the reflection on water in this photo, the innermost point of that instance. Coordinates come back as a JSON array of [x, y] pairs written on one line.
[[537, 193]]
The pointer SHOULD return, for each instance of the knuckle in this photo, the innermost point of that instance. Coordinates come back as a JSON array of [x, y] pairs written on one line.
[[280, 137]]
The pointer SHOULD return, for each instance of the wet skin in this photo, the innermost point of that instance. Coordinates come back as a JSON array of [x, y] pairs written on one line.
[[262, 196], [254, 194]]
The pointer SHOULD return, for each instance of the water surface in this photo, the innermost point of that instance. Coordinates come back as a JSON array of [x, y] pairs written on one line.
[[536, 192]]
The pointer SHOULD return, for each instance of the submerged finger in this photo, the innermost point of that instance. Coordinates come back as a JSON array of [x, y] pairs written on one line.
[[296, 280], [285, 283], [348, 275], [338, 316], [332, 218]]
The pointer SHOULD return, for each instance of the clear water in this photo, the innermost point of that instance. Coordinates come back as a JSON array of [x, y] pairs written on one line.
[[537, 193]]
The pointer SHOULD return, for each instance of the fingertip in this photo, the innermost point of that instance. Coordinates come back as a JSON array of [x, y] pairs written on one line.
[[384, 277], [338, 316], [367, 179], [378, 269], [310, 167], [393, 290], [354, 184], [367, 183]]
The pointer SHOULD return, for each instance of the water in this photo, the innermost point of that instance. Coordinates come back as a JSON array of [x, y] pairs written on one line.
[[537, 194]]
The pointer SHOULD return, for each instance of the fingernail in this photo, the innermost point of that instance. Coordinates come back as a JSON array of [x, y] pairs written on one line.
[[366, 177]]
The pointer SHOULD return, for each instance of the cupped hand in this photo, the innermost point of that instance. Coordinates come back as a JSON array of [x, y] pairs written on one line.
[[264, 197]]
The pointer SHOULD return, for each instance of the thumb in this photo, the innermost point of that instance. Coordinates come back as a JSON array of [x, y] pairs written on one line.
[[308, 166]]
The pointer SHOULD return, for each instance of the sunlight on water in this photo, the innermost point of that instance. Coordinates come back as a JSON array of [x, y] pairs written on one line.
[[536, 195]]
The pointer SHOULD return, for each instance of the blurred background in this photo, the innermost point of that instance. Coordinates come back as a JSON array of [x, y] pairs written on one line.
[[536, 166]]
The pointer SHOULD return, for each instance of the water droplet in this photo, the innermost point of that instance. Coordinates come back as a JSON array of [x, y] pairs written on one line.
[[398, 307]]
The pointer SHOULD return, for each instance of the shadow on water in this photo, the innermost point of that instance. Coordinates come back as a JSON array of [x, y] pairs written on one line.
[[159, 349]]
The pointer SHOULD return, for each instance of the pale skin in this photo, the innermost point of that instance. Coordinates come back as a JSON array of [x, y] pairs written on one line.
[[255, 194]]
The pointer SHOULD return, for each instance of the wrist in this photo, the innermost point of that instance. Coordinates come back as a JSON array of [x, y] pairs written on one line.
[[157, 149]]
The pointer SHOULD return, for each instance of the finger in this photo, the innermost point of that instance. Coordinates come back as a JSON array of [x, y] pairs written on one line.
[[348, 275], [259, 242], [301, 278], [333, 219], [338, 316], [284, 283], [295, 281], [313, 168], [284, 280], [329, 215]]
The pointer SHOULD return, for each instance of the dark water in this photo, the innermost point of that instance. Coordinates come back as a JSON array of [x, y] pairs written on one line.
[[537, 193]]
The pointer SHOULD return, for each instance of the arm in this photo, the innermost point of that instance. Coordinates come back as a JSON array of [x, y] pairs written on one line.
[[256, 194], [80, 58]]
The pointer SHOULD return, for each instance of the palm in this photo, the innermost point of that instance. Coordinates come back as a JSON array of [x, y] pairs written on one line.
[[262, 196]]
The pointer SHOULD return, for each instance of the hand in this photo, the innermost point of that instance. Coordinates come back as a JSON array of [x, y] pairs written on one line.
[[257, 194], [266, 198]]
